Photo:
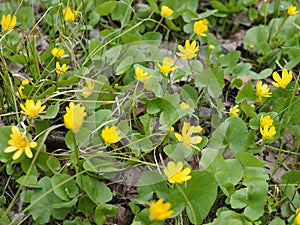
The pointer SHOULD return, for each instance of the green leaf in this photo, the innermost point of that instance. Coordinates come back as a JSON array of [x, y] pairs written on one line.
[[198, 195], [232, 132], [248, 160], [247, 93], [153, 6], [51, 112], [219, 6], [291, 177], [149, 183], [277, 221], [97, 191], [94, 49], [5, 132], [28, 181], [258, 38], [106, 8], [44, 203], [53, 163], [102, 211], [263, 74], [64, 186], [124, 65], [208, 79]]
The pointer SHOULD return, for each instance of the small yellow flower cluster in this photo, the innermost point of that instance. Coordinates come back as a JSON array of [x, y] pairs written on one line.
[[141, 75], [184, 106], [8, 23], [200, 27], [87, 90], [292, 10], [267, 129], [234, 111], [74, 116], [186, 135], [167, 66], [160, 210], [262, 91], [69, 14], [110, 135], [21, 87], [176, 174], [58, 53], [283, 81], [31, 108], [19, 144], [166, 11], [190, 50]]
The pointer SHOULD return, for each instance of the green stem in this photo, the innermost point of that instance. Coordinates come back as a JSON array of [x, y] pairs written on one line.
[[159, 23], [77, 154]]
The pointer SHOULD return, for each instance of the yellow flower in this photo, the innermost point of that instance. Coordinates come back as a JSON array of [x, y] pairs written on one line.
[[87, 90], [32, 109], [189, 51], [73, 118], [234, 111], [268, 132], [61, 69], [184, 106], [266, 121], [111, 135], [166, 11], [287, 77], [175, 174], [160, 210], [186, 136], [166, 66], [21, 87], [262, 91], [19, 144], [200, 27], [297, 217], [69, 14], [57, 52], [8, 23], [292, 10], [141, 75]]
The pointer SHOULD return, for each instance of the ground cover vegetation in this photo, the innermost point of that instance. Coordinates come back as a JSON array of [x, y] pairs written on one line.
[[149, 112]]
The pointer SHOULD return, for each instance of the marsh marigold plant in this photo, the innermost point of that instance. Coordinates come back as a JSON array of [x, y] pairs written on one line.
[[187, 137], [283, 81], [176, 174], [141, 75], [61, 69], [189, 51], [31, 108], [110, 135], [266, 121], [19, 143], [166, 11], [57, 52], [234, 111], [160, 210], [200, 27], [87, 90], [167, 66], [262, 91], [8, 23], [292, 10], [74, 116], [69, 14]]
